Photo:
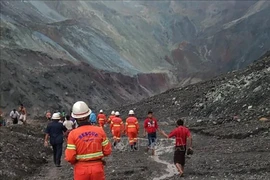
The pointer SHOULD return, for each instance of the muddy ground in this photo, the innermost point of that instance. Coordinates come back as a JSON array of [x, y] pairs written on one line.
[[215, 157]]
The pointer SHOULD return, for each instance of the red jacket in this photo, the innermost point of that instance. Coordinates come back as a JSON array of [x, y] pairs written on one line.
[[151, 125]]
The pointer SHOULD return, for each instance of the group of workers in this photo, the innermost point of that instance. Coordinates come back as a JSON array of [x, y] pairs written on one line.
[[88, 144]]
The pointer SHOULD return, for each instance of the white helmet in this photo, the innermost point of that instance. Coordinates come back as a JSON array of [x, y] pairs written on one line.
[[80, 110], [112, 113], [101, 111], [117, 113], [56, 116], [131, 112]]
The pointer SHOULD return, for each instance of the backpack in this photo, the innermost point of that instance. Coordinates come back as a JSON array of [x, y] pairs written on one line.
[[93, 118]]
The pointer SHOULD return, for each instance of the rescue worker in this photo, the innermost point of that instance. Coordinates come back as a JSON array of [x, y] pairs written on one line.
[[68, 124], [132, 130], [183, 140], [150, 129], [101, 118], [23, 113], [93, 118], [55, 131], [48, 115], [86, 146], [117, 128], [14, 116], [111, 117]]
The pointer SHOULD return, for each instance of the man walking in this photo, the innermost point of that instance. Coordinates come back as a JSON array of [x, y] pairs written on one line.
[[68, 124], [117, 128], [182, 136], [55, 131], [150, 129], [101, 118], [14, 116], [111, 117], [23, 113], [93, 118], [87, 145], [132, 130]]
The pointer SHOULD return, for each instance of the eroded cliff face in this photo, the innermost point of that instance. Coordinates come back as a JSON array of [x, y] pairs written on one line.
[[138, 48]]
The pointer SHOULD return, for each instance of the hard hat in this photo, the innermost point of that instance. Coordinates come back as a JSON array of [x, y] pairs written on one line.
[[131, 112], [80, 110], [117, 113], [101, 111], [112, 113], [56, 116]]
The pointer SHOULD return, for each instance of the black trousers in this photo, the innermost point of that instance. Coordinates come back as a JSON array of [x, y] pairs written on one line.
[[15, 120], [57, 153]]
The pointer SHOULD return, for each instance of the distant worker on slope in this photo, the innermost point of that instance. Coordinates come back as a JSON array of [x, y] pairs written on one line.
[[23, 113], [111, 117], [48, 115], [86, 146], [117, 128], [182, 136], [132, 130], [101, 118], [150, 129], [55, 131], [93, 118], [14, 116]]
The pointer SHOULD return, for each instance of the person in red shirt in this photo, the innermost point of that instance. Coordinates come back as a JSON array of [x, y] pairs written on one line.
[[182, 136], [150, 129]]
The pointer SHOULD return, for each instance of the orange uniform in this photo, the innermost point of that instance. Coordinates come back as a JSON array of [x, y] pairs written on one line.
[[110, 119], [86, 147], [132, 129], [117, 127], [101, 119]]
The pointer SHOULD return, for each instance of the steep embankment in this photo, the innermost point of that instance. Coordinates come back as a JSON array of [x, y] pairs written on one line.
[[42, 82]]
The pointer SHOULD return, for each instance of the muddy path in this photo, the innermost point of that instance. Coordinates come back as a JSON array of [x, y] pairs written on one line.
[[214, 158]]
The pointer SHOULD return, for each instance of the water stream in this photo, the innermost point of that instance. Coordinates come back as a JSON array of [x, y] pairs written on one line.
[[170, 168]]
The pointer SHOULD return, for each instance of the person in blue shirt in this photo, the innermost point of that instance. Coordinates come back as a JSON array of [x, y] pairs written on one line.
[[55, 131], [93, 118]]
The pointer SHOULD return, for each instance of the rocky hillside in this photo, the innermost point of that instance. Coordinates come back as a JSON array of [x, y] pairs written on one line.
[[239, 96], [135, 49]]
